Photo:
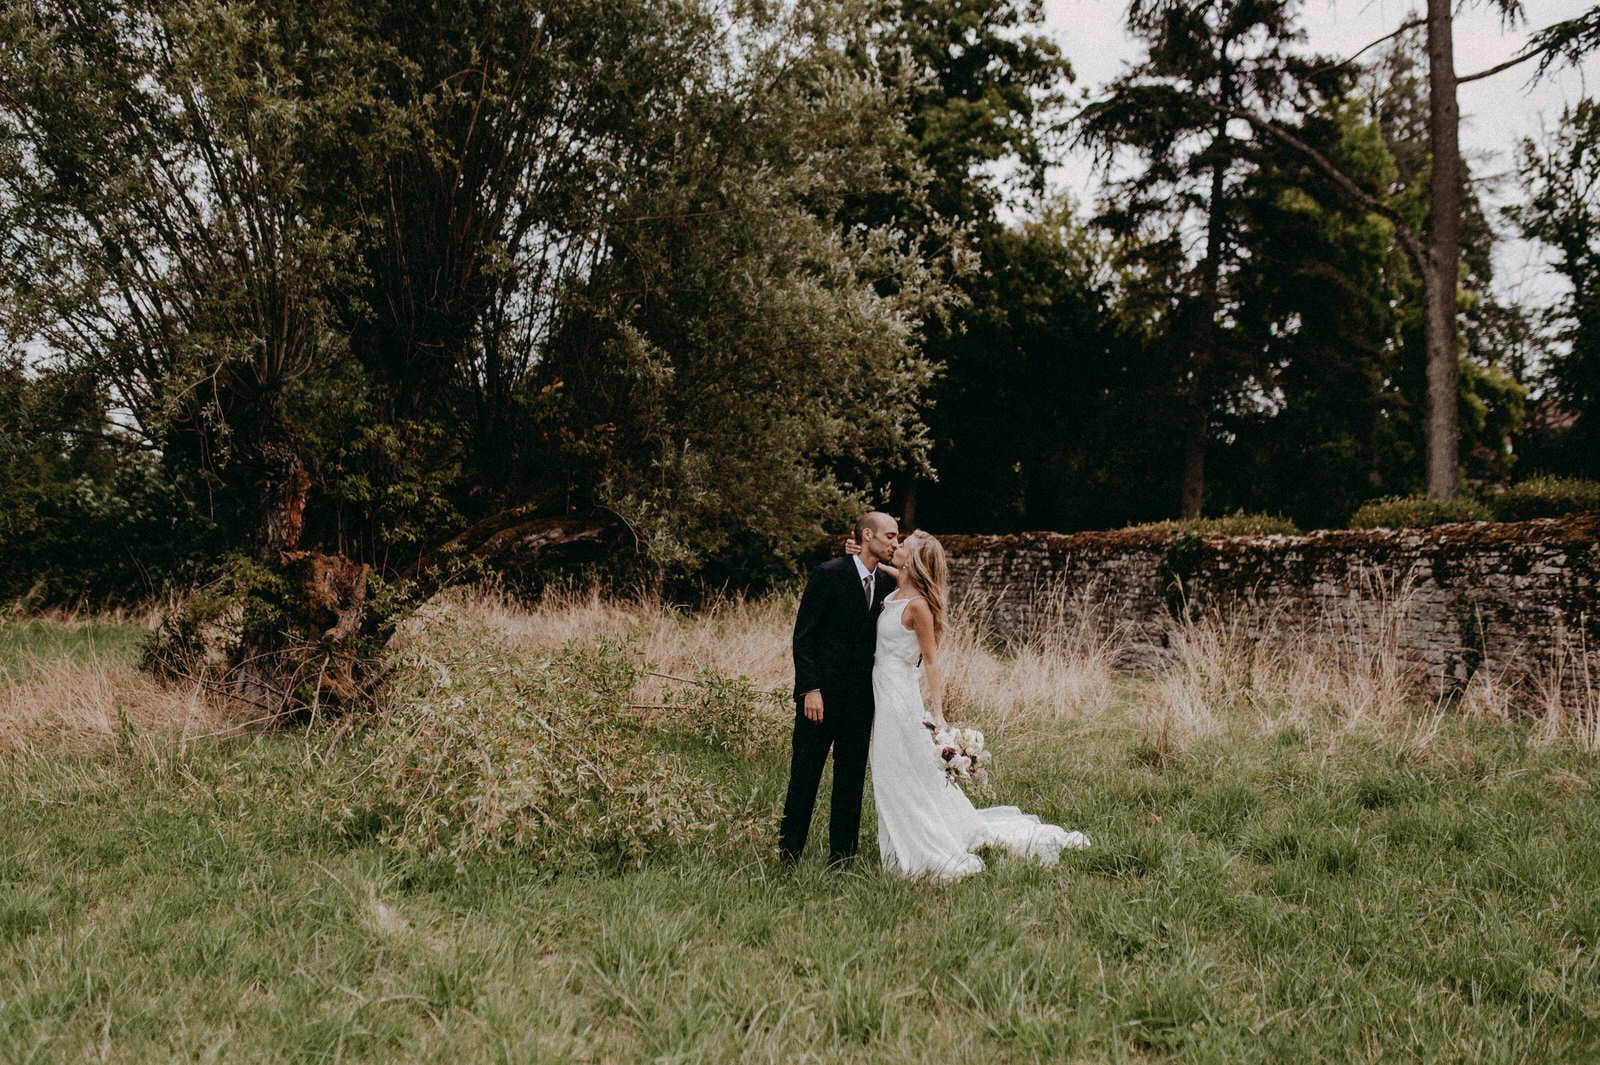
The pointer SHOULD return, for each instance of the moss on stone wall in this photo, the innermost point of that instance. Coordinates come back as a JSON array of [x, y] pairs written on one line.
[[1465, 595]]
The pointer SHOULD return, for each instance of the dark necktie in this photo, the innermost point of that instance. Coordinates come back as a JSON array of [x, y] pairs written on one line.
[[866, 586]]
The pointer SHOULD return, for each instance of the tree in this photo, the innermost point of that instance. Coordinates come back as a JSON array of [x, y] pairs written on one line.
[[1488, 403], [978, 90], [378, 273], [1562, 176], [1436, 249], [979, 94], [172, 233], [522, 122], [739, 349], [1044, 416], [1204, 63], [551, 288], [1319, 292], [1440, 260]]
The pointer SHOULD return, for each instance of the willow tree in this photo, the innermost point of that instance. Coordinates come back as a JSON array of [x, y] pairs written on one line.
[[744, 361], [171, 233], [385, 269]]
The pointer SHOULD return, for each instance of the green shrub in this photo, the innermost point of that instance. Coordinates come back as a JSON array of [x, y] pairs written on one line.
[[199, 636], [1547, 497], [1236, 524], [1417, 512], [485, 750], [721, 711], [123, 534]]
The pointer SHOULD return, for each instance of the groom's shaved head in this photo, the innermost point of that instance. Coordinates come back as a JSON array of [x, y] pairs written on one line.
[[875, 520], [876, 532]]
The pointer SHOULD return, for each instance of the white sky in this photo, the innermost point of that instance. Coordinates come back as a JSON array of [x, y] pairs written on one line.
[[1496, 112]]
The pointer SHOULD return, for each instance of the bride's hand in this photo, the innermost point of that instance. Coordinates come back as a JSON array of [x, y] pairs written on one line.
[[851, 547]]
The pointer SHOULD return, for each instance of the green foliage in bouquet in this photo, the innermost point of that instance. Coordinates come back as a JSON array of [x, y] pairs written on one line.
[[1417, 512], [1547, 497]]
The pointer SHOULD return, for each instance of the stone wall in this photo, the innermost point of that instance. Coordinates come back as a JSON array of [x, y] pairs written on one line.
[[1513, 597]]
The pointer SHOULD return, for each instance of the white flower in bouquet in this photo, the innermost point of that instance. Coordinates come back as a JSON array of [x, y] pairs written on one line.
[[962, 755]]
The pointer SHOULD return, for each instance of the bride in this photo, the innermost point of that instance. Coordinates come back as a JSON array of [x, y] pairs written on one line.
[[926, 824]]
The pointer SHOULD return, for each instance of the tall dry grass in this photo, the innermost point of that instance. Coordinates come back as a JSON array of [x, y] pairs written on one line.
[[736, 636], [1567, 697], [1063, 667], [69, 681], [1350, 669], [745, 636], [1242, 669], [1066, 668], [1263, 671], [61, 704]]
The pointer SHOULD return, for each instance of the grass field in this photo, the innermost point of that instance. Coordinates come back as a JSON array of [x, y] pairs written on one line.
[[1305, 888]]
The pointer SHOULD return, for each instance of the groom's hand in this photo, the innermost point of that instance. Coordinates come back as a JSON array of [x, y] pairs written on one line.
[[814, 707]]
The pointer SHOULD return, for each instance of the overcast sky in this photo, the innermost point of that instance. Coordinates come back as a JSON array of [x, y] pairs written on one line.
[[1496, 112]]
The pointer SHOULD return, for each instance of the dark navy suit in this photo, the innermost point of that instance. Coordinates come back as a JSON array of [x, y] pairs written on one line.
[[835, 633]]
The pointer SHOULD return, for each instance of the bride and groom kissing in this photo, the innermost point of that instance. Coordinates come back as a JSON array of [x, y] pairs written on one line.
[[867, 633]]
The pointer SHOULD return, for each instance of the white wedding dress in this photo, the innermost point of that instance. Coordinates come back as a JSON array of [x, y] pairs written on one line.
[[926, 825]]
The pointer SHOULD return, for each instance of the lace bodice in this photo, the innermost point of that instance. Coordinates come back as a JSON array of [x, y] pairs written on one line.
[[897, 645]]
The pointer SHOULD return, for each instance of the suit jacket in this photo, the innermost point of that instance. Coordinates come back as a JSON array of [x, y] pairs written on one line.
[[835, 634]]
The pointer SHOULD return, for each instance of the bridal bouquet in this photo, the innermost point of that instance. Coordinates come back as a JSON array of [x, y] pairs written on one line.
[[965, 758]]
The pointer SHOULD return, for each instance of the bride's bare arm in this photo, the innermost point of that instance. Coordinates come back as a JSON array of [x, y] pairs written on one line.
[[928, 642]]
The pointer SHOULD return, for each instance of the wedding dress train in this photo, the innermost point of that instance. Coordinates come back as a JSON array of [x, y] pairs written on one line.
[[926, 825]]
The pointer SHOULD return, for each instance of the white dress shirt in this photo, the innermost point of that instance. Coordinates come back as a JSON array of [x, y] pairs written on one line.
[[862, 573]]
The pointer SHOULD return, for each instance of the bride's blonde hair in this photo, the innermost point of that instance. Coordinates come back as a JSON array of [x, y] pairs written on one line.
[[929, 574]]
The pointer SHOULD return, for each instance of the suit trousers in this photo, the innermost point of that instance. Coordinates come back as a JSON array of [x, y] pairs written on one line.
[[846, 729]]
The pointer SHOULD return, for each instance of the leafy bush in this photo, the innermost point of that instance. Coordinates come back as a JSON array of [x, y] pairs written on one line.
[[718, 710], [1417, 512], [1547, 497], [86, 511], [1236, 524], [198, 635], [485, 750]]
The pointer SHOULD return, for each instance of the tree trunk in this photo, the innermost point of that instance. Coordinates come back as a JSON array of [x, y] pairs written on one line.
[[300, 643], [1192, 497], [284, 486], [1192, 500], [1443, 259], [262, 675]]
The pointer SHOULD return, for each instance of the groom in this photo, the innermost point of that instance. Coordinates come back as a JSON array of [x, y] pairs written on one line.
[[835, 634]]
